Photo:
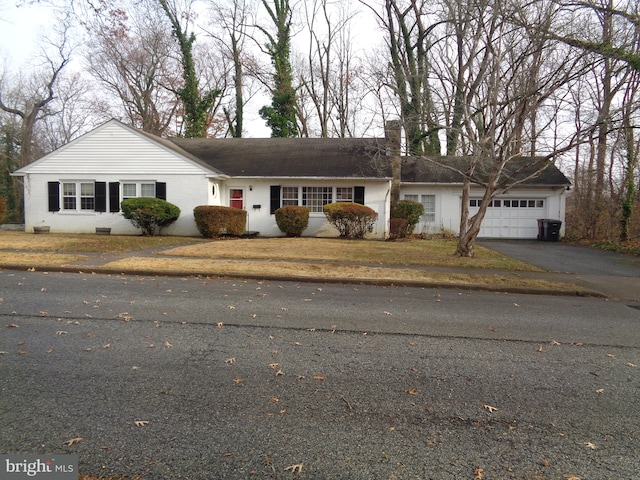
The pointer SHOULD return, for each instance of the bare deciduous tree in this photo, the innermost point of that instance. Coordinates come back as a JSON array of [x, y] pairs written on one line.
[[28, 98], [231, 18], [512, 74], [130, 53]]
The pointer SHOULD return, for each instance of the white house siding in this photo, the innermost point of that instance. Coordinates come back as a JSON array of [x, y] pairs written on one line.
[[447, 208], [499, 222], [114, 149], [184, 191], [257, 193], [113, 153]]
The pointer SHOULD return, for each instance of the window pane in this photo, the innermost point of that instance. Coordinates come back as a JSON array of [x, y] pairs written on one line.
[[539, 203], [289, 196], [128, 190], [87, 199], [429, 204], [344, 194], [496, 203], [68, 189], [69, 196], [148, 190], [69, 203], [316, 197], [411, 197], [86, 189], [87, 203]]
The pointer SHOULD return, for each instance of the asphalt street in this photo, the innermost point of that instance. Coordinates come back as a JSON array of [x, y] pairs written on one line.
[[250, 379]]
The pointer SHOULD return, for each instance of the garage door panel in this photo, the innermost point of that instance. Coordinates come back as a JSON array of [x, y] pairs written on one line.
[[513, 218]]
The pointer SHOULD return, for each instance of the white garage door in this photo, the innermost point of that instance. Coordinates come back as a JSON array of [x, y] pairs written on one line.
[[510, 218]]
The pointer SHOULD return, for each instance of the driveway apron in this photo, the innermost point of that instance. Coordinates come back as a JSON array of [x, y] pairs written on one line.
[[616, 275]]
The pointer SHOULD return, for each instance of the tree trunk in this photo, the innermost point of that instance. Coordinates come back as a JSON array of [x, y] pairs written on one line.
[[392, 133], [465, 246], [630, 193], [467, 240]]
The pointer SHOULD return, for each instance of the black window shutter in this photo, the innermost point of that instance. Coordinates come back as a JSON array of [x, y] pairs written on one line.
[[275, 198], [101, 197], [358, 195], [54, 196], [161, 190], [114, 196]]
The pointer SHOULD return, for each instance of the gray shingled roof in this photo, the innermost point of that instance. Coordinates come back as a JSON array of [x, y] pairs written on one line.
[[289, 157], [421, 170]]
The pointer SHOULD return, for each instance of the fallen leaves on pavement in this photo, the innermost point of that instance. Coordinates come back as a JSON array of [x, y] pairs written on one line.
[[294, 468], [73, 441]]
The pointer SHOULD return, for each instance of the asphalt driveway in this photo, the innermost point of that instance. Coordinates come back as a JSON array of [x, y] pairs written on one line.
[[614, 274]]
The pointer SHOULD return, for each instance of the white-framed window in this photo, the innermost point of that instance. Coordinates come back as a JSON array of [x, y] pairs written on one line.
[[138, 189], [289, 196], [78, 196], [344, 194], [314, 198], [428, 202]]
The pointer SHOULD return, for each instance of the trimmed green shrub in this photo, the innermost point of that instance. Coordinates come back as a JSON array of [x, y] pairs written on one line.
[[411, 212], [212, 221], [3, 209], [150, 214], [351, 219], [292, 220]]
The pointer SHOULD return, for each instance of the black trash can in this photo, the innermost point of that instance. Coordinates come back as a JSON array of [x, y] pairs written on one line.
[[551, 230]]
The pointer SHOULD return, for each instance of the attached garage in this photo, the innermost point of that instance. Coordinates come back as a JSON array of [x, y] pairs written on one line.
[[512, 214]]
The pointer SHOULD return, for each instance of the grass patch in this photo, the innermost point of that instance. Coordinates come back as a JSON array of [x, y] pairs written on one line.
[[293, 270], [89, 243], [40, 259], [413, 252]]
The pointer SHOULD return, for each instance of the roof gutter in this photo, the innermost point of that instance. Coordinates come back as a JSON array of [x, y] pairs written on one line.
[[280, 177]]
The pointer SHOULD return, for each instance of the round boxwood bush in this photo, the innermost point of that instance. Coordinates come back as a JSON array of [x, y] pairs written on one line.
[[411, 212], [150, 214], [292, 220], [352, 220]]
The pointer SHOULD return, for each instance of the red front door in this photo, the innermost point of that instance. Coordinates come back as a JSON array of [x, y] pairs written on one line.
[[236, 198]]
